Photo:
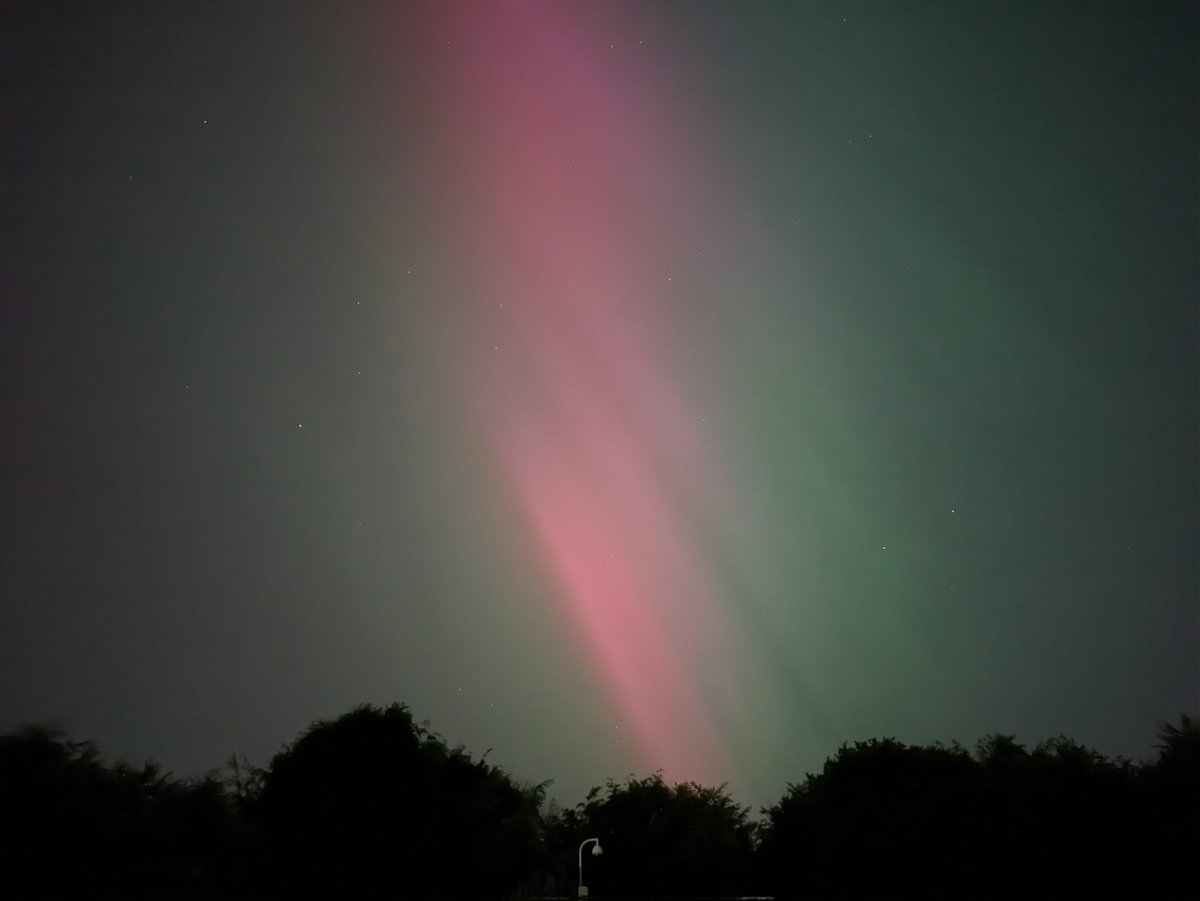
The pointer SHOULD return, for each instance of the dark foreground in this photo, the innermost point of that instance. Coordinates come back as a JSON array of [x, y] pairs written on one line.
[[373, 805]]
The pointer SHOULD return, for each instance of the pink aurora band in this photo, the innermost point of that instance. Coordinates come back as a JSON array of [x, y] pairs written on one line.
[[573, 198]]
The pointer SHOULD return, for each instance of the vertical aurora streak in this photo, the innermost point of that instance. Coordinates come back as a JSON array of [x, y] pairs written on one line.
[[571, 177], [686, 385]]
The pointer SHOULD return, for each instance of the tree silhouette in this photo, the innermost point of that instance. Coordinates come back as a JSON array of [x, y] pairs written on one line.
[[880, 815], [70, 825], [1179, 748], [662, 840], [886, 818], [374, 805], [1171, 794]]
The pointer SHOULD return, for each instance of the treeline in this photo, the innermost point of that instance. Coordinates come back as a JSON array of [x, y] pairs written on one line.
[[374, 805]]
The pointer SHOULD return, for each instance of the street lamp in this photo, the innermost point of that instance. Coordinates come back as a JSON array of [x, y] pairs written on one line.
[[596, 852]]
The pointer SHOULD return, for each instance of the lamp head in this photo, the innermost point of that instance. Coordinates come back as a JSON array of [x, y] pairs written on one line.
[[597, 850]]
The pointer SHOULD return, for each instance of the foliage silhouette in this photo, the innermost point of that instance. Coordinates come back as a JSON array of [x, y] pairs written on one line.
[[1170, 796], [886, 818], [374, 805], [660, 840], [75, 826]]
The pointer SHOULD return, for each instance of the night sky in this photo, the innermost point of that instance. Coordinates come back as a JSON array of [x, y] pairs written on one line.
[[624, 386]]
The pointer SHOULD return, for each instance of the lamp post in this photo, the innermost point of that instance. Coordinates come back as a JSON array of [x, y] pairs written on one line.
[[596, 852]]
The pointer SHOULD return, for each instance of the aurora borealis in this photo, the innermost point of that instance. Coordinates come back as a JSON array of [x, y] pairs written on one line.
[[606, 458], [624, 386]]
